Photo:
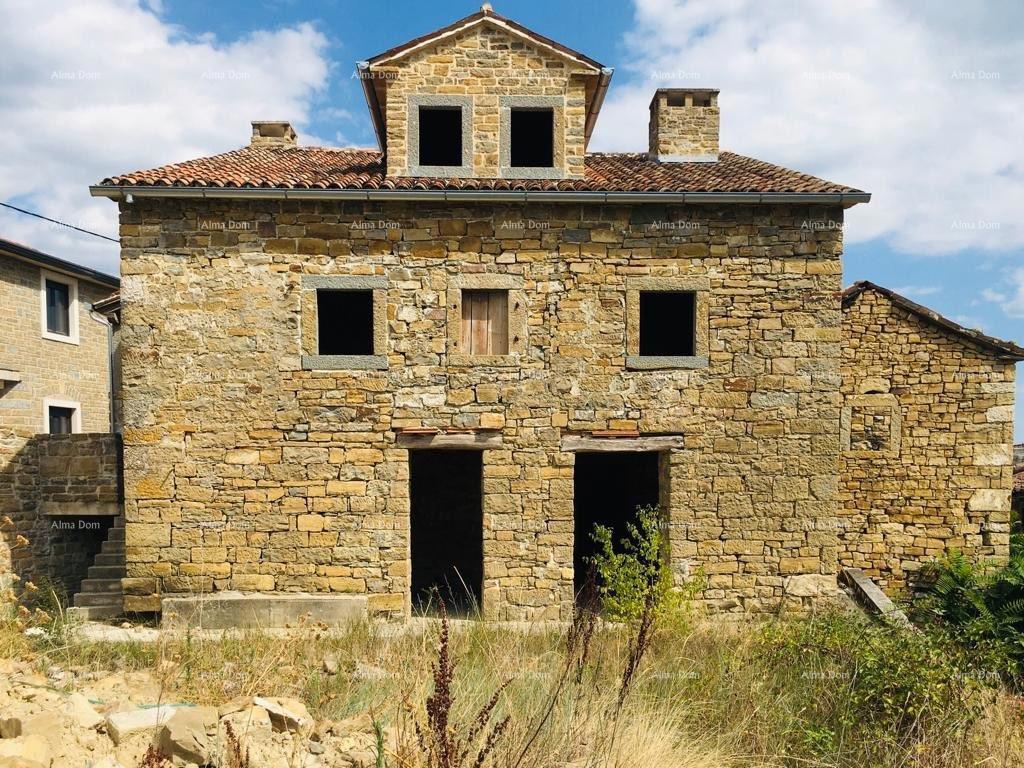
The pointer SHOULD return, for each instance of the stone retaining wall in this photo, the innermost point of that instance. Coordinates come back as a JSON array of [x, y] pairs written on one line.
[[60, 493]]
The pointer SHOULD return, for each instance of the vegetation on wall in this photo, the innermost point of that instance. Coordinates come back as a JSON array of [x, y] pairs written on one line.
[[981, 606]]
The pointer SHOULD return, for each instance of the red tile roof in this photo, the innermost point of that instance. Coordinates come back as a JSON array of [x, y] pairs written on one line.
[[1018, 480], [326, 168]]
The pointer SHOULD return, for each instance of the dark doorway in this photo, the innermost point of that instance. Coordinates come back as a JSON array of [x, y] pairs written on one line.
[[447, 529], [608, 489]]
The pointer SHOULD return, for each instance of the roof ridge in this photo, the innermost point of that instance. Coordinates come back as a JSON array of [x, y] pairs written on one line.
[[1008, 348]]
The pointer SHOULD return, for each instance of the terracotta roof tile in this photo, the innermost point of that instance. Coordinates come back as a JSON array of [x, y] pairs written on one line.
[[325, 168]]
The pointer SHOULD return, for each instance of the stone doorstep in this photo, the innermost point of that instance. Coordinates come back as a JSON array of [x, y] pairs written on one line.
[[237, 610]]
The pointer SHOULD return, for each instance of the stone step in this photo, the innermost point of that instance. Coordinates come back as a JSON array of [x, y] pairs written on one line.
[[95, 599], [106, 571], [113, 548], [109, 586], [109, 558], [95, 612], [115, 534]]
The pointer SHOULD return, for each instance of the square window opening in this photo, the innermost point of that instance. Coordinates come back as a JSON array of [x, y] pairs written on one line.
[[440, 136], [532, 138], [344, 322], [58, 308], [485, 322], [668, 323], [61, 420]]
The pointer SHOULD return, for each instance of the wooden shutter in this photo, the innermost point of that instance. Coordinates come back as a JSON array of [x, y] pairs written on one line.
[[485, 322]]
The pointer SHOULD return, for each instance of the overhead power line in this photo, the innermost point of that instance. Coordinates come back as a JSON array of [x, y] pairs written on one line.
[[61, 223]]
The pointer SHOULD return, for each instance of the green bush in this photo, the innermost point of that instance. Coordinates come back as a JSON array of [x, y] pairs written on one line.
[[850, 681], [984, 605], [626, 576]]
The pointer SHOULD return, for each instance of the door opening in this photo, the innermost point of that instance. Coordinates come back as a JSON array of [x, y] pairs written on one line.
[[446, 508], [608, 488]]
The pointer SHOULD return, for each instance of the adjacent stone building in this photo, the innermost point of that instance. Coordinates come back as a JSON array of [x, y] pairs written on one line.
[[59, 479], [926, 437], [368, 375], [54, 347]]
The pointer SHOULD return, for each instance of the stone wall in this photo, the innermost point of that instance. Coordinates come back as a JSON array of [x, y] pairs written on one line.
[[927, 430], [50, 369], [485, 66], [244, 471], [60, 493]]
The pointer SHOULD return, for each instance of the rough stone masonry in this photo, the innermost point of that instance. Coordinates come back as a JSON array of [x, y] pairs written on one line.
[[255, 461]]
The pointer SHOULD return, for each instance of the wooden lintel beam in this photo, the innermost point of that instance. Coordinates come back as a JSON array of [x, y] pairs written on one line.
[[588, 443], [454, 440]]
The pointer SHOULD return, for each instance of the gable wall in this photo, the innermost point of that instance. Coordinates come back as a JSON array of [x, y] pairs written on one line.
[[484, 64], [941, 477]]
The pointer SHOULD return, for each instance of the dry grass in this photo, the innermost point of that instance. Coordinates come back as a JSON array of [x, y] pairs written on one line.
[[707, 695]]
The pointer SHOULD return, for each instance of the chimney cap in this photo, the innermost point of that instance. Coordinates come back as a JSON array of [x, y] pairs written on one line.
[[710, 94], [273, 133]]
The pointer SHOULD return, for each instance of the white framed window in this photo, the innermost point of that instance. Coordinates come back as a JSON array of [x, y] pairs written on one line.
[[58, 307], [61, 417]]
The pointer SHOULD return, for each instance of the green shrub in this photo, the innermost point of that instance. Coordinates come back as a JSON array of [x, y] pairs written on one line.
[[983, 604], [626, 576], [850, 681]]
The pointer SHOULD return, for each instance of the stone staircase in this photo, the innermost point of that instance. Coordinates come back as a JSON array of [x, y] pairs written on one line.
[[100, 596]]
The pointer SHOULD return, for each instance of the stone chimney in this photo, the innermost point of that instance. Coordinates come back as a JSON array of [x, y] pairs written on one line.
[[684, 125], [272, 133]]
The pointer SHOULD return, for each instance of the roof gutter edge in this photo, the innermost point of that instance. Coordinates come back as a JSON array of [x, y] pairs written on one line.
[[119, 192]]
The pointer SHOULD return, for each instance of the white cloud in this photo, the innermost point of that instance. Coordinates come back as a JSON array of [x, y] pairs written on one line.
[[99, 87], [918, 290], [1011, 298], [921, 105]]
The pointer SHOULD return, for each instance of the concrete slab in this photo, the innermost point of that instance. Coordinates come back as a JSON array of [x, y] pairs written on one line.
[[870, 594], [237, 610]]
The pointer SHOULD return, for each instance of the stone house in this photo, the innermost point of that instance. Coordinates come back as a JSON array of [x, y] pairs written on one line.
[[926, 434], [55, 348], [59, 486], [367, 374]]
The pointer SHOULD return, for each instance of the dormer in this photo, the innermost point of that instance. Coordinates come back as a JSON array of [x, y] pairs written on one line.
[[484, 98]]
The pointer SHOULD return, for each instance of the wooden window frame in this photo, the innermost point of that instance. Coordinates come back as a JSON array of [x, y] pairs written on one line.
[[517, 314]]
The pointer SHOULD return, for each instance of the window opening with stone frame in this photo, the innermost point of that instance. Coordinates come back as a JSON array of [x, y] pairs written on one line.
[[344, 322], [440, 136], [532, 138], [485, 322], [668, 323]]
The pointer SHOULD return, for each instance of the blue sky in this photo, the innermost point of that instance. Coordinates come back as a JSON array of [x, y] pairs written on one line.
[[920, 104]]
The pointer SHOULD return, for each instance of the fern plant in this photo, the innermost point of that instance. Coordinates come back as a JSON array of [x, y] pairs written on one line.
[[983, 604]]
